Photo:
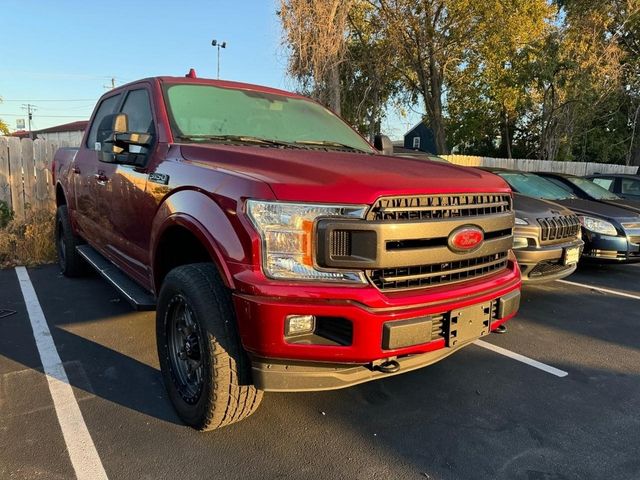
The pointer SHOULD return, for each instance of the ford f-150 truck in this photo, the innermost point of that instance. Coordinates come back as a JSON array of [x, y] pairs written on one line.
[[280, 250]]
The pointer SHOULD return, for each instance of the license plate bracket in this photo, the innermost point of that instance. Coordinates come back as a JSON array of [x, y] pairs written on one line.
[[571, 255], [469, 323]]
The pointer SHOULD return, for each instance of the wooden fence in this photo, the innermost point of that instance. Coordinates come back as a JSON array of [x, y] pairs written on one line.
[[526, 165], [25, 171], [25, 175]]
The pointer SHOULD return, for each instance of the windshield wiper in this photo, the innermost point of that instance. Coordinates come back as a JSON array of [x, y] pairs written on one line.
[[237, 138], [329, 143]]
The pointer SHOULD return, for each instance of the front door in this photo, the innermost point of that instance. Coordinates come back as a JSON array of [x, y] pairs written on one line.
[[125, 194]]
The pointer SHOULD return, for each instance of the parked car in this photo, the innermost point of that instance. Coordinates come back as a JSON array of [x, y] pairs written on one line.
[[589, 190], [610, 234], [623, 185], [547, 239], [280, 250]]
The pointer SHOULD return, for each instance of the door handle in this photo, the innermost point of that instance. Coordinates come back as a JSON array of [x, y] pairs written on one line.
[[101, 178]]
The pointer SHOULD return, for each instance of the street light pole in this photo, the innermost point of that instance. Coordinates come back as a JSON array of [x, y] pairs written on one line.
[[219, 45]]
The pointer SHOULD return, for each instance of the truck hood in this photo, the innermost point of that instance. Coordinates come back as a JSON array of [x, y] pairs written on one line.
[[341, 177]]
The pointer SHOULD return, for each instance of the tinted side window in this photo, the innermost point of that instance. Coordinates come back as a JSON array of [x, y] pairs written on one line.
[[138, 109], [630, 187], [107, 107], [604, 183]]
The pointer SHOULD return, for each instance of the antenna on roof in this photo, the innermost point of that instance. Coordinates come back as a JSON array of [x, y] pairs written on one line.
[[191, 74]]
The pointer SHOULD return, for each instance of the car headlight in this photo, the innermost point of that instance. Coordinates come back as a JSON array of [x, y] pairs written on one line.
[[287, 230], [520, 242], [598, 226], [521, 221]]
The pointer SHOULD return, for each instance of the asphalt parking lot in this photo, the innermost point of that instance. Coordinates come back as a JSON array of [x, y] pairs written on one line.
[[477, 414]]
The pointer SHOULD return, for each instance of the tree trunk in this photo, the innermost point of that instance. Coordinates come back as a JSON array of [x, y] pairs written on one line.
[[433, 102], [334, 89], [506, 139]]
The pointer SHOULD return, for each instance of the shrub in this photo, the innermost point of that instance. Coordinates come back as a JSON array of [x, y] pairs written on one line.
[[28, 242], [6, 214]]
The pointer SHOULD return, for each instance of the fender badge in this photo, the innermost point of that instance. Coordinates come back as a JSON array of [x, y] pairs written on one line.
[[161, 178]]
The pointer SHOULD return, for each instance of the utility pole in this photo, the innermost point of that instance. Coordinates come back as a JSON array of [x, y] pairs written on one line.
[[219, 45], [30, 109], [112, 86]]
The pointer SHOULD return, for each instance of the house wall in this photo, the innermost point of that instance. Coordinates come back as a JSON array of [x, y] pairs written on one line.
[[427, 142]]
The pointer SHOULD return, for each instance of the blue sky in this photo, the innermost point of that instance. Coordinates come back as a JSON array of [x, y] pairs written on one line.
[[69, 50]]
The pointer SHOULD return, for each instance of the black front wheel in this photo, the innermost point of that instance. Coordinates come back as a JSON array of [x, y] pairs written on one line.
[[205, 369]]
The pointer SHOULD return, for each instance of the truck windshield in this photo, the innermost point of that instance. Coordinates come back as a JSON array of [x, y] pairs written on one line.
[[205, 113], [592, 189], [535, 186]]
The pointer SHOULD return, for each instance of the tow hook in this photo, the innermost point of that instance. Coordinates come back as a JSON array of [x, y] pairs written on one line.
[[390, 366]]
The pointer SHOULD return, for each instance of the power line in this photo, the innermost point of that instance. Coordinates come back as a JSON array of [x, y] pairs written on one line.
[[52, 100], [42, 116]]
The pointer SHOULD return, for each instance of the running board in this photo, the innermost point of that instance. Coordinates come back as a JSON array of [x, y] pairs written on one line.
[[138, 297]]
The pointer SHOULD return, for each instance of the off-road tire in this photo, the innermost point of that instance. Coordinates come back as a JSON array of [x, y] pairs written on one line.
[[70, 262], [227, 393]]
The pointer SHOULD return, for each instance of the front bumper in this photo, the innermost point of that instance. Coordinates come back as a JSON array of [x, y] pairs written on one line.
[[608, 249], [546, 263], [280, 364]]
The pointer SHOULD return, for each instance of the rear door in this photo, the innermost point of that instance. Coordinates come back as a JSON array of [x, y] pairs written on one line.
[[89, 203]]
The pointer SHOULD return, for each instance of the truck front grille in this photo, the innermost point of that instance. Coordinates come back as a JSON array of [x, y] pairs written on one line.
[[437, 273], [559, 228], [427, 207]]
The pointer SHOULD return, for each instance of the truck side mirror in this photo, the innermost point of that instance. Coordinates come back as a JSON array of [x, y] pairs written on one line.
[[115, 141], [383, 144]]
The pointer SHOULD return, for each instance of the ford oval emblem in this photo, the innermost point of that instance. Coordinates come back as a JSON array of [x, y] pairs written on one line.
[[466, 238]]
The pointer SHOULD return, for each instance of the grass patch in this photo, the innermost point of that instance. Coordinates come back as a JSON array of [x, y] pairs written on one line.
[[29, 241]]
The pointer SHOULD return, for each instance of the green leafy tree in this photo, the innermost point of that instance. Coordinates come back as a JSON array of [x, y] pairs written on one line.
[[4, 128]]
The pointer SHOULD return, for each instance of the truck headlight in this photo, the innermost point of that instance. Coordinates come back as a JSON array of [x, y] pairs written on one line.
[[598, 226], [521, 221], [287, 230]]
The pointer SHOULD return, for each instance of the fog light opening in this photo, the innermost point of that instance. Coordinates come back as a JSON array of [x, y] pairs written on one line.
[[299, 325]]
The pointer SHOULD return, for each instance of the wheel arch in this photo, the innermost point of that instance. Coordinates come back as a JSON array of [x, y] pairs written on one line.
[[186, 237]]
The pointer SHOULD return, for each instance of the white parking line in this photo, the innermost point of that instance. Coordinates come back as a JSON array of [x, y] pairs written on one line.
[[600, 289], [84, 456], [521, 358]]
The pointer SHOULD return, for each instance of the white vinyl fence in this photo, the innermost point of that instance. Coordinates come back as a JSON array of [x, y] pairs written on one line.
[[526, 165]]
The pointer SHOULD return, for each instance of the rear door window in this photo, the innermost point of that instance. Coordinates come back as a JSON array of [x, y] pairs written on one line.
[[107, 106], [629, 186]]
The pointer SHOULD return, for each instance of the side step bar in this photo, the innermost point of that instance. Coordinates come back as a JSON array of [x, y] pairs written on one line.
[[138, 297]]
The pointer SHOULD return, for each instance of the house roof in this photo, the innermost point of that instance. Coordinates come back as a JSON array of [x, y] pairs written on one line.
[[20, 134], [414, 127], [78, 126]]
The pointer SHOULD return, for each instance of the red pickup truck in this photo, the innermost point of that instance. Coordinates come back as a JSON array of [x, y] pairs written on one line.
[[280, 250]]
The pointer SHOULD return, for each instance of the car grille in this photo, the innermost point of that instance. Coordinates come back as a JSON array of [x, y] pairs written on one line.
[[559, 228], [547, 268], [437, 274], [427, 207]]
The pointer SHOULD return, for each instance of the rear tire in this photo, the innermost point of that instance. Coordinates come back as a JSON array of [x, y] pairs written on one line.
[[205, 369], [70, 262]]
